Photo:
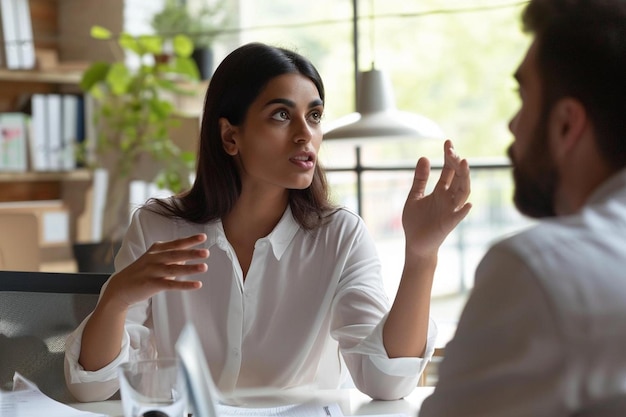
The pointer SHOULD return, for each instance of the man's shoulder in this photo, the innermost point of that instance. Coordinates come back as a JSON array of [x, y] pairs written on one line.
[[543, 237], [565, 257]]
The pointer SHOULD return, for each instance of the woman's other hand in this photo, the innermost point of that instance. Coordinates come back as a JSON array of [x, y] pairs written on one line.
[[157, 270], [428, 219]]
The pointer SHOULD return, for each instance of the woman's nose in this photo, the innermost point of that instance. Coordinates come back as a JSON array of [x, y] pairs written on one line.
[[303, 132]]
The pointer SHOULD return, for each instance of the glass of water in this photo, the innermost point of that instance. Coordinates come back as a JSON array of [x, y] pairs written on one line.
[[153, 388]]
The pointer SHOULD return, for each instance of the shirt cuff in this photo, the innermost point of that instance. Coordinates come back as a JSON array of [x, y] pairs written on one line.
[[107, 373], [403, 366], [374, 347]]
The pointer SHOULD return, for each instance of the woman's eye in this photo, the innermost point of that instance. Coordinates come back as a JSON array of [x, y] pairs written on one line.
[[280, 115], [316, 116]]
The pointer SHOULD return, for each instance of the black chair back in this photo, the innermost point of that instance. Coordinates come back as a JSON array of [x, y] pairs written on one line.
[[38, 310]]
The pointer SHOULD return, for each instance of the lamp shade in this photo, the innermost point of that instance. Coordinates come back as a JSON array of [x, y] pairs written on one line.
[[377, 115]]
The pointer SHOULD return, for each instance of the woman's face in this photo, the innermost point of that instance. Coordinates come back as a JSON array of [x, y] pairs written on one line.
[[277, 144]]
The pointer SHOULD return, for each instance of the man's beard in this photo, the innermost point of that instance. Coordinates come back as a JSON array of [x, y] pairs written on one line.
[[535, 176]]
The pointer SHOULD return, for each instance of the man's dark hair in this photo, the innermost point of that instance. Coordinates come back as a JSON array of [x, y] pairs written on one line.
[[581, 53]]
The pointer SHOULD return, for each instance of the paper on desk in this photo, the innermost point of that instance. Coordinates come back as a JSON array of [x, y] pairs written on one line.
[[310, 409], [26, 400], [296, 410]]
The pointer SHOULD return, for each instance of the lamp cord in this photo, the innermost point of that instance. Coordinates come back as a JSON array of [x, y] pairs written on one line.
[[372, 34]]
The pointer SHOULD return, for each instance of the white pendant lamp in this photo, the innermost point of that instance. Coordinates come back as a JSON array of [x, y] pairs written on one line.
[[377, 116]]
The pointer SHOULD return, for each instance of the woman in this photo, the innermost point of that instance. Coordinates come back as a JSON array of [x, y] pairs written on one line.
[[275, 278]]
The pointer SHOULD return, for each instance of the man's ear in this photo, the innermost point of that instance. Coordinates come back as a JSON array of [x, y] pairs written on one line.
[[568, 123], [228, 134]]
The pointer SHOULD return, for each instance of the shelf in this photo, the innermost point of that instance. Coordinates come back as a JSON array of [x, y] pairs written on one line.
[[57, 76], [34, 176]]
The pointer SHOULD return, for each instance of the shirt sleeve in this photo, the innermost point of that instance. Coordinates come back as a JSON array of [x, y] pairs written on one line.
[[137, 341], [359, 315], [506, 354], [382, 377]]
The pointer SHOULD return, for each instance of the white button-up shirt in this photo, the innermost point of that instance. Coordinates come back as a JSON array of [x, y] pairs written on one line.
[[308, 295], [544, 331]]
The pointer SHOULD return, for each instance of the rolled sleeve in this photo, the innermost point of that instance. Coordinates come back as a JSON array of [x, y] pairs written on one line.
[[380, 376], [99, 385]]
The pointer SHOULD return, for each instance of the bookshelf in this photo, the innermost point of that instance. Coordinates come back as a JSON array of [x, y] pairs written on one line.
[[36, 186], [61, 77], [63, 26], [60, 28]]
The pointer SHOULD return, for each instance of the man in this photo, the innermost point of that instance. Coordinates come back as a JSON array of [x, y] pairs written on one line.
[[544, 330]]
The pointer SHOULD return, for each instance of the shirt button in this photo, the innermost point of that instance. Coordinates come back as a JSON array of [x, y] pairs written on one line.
[[236, 353]]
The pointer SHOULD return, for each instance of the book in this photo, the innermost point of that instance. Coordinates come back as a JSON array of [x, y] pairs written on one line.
[[54, 128], [13, 139], [26, 47], [17, 31], [70, 125], [39, 130], [10, 34]]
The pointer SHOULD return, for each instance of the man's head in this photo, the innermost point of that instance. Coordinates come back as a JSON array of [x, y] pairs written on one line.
[[573, 75]]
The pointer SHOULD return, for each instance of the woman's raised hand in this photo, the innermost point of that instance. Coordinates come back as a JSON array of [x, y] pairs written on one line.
[[428, 219], [157, 270]]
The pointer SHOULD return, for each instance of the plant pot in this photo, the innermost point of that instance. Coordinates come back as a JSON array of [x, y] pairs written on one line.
[[96, 257], [203, 58]]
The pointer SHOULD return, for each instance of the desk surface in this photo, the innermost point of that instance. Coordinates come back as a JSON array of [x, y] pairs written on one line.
[[351, 401]]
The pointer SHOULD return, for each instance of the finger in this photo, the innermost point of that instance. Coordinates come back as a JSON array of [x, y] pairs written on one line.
[[420, 178], [460, 186], [462, 212], [185, 242], [173, 271], [450, 164], [171, 284], [176, 255]]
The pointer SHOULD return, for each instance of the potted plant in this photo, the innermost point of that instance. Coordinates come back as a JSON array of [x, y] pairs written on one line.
[[132, 117], [202, 26]]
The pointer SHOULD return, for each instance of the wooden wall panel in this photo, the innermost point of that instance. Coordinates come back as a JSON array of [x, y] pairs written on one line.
[[29, 191], [44, 17], [76, 17]]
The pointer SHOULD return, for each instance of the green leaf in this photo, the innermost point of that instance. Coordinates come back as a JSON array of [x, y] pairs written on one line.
[[187, 67], [166, 84], [130, 43], [151, 44], [97, 92], [96, 73], [183, 46], [98, 32], [189, 159], [118, 78], [161, 109]]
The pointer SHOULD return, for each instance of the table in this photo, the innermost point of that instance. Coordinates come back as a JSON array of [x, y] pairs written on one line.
[[351, 401]]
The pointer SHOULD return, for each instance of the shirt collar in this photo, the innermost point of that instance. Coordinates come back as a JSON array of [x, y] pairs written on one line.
[[283, 233], [279, 238], [608, 188]]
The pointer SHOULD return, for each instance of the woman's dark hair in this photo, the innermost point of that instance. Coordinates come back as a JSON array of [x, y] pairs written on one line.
[[237, 82], [581, 53]]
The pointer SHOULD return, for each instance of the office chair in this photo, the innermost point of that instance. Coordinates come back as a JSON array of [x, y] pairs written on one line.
[[38, 310]]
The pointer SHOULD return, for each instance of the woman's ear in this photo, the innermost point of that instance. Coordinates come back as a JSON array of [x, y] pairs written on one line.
[[228, 134]]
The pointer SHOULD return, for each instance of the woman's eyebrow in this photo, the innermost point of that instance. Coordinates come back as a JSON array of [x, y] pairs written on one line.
[[292, 104]]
